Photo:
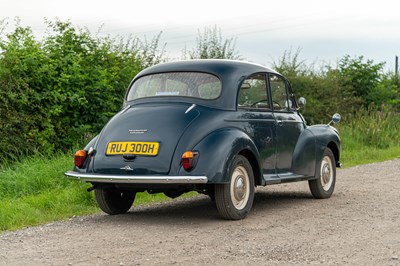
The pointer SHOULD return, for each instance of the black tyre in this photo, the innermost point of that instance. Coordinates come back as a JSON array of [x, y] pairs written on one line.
[[113, 201], [322, 187], [234, 200]]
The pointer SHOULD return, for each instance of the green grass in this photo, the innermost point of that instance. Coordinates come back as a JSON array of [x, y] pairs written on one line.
[[34, 191], [365, 155], [57, 204], [45, 206], [370, 136]]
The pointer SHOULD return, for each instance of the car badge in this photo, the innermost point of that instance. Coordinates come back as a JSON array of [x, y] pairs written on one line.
[[137, 131], [126, 168]]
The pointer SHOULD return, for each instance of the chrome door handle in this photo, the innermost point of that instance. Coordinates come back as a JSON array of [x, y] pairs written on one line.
[[279, 122]]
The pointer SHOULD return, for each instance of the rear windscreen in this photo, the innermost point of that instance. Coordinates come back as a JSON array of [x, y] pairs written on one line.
[[183, 84]]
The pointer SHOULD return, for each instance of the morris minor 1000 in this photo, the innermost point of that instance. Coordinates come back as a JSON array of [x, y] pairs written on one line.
[[218, 127]]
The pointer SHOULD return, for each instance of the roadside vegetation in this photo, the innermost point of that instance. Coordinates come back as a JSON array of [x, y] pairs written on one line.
[[370, 136], [57, 92], [34, 191]]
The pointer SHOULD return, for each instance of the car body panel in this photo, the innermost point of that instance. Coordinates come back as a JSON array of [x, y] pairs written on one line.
[[164, 123], [288, 128]]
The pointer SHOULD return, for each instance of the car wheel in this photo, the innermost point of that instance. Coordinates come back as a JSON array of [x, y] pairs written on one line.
[[322, 187], [113, 201], [234, 199]]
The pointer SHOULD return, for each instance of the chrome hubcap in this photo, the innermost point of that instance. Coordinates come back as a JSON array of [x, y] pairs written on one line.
[[240, 189], [326, 173]]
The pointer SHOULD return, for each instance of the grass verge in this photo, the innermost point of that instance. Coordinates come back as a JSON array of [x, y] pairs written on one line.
[[35, 191], [370, 136]]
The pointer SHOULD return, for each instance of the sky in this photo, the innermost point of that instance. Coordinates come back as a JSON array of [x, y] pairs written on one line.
[[324, 31]]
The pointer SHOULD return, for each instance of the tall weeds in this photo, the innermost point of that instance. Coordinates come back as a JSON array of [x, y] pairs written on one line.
[[372, 128]]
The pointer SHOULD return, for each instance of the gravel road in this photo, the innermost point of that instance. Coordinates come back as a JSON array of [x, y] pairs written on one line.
[[358, 225]]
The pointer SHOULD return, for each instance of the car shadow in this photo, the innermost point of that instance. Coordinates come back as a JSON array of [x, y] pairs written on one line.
[[200, 209]]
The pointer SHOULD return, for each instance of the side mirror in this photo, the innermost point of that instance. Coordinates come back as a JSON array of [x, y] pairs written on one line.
[[245, 86], [301, 102], [335, 118]]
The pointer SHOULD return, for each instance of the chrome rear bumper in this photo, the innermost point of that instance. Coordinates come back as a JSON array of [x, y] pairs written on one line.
[[133, 179]]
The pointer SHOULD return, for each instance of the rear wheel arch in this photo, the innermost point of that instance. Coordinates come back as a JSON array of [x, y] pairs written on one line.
[[217, 150], [254, 165]]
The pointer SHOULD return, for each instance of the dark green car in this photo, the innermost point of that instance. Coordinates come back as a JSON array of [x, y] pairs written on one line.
[[218, 127]]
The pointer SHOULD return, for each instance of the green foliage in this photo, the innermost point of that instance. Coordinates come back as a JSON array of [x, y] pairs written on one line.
[[21, 60], [322, 89], [370, 136], [211, 45], [373, 128], [44, 207], [290, 64], [386, 93], [55, 91], [348, 88], [360, 76], [34, 191], [366, 80]]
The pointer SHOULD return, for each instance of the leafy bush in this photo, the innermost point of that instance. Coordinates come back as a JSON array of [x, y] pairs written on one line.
[[68, 85], [351, 86], [366, 80]]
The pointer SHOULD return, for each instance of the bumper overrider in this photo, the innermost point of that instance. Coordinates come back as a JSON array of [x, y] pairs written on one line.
[[134, 179]]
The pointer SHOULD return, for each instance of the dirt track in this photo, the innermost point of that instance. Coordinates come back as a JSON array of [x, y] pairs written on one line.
[[359, 225]]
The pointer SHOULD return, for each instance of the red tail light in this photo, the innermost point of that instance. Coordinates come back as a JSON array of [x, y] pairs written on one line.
[[80, 157], [189, 160]]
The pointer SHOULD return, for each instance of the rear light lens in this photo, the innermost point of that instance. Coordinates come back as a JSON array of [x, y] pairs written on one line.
[[80, 157], [189, 160]]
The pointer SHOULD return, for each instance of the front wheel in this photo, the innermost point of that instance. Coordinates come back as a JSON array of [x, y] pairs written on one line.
[[322, 187], [234, 199], [114, 201]]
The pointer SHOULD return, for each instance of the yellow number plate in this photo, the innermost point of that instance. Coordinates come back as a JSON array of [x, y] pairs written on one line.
[[133, 147]]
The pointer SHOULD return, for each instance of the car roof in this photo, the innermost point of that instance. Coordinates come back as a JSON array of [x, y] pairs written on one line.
[[230, 72]]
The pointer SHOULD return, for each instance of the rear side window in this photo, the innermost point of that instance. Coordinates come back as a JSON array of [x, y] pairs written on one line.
[[184, 84]]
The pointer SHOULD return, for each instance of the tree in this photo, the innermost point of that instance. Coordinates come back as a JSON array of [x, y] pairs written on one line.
[[56, 91], [211, 44], [290, 64], [365, 79]]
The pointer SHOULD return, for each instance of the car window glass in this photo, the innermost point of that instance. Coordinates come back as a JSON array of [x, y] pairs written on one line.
[[177, 86], [253, 93], [280, 99], [185, 84], [209, 90]]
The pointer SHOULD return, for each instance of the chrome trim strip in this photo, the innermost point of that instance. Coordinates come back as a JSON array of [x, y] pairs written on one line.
[[250, 120], [125, 109], [190, 108], [134, 179]]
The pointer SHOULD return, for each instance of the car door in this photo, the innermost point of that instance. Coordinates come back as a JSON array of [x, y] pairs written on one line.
[[288, 123], [254, 107]]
